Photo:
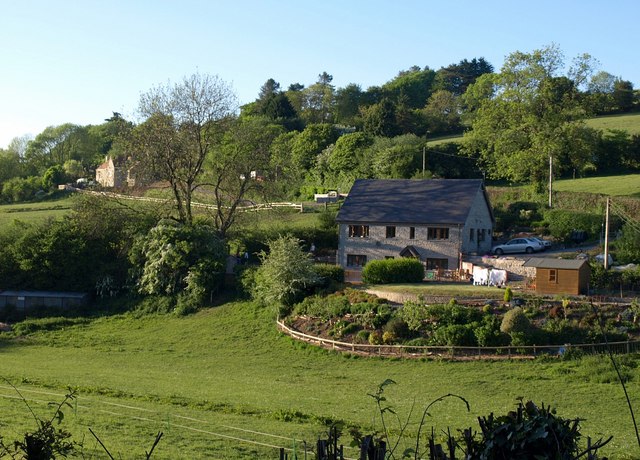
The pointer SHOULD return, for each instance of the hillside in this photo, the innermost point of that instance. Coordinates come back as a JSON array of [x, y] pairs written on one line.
[[226, 372], [627, 122]]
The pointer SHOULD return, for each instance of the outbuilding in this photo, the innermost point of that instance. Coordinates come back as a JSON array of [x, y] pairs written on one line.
[[560, 276], [28, 301]]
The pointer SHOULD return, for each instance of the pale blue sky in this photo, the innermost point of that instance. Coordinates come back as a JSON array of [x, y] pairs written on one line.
[[78, 61]]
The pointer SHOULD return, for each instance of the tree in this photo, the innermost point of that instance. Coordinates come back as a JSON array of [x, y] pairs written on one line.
[[285, 274], [442, 112], [309, 143], [235, 165], [347, 104], [395, 158], [53, 176], [57, 144], [182, 122], [317, 105], [173, 257], [520, 124], [456, 78], [380, 119], [623, 94], [414, 86]]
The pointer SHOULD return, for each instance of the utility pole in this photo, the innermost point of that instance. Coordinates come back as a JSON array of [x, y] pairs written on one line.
[[550, 181], [424, 162], [606, 237]]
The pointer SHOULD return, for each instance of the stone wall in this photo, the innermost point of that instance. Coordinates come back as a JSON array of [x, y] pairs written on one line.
[[513, 265]]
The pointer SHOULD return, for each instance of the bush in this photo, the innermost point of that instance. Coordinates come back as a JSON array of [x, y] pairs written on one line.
[[329, 272], [459, 335], [388, 337], [488, 334], [562, 223], [515, 321], [397, 327], [323, 307], [375, 338], [404, 270], [362, 336]]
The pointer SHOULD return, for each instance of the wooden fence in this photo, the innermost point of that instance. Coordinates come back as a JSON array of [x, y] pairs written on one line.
[[455, 352]]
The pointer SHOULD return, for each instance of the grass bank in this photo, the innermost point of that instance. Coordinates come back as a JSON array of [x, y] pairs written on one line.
[[223, 383], [35, 211]]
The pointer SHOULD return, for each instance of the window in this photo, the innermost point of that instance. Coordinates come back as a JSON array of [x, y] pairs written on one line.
[[482, 234], [438, 233], [471, 232], [434, 264], [391, 232], [553, 276], [358, 231], [356, 260], [412, 233]]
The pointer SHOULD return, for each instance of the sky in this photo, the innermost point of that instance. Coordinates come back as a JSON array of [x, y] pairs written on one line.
[[78, 61]]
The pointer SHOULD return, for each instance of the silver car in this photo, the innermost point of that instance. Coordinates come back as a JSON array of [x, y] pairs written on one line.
[[528, 245]]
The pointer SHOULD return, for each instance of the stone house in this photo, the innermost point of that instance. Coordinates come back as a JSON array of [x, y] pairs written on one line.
[[111, 173], [435, 220], [116, 173]]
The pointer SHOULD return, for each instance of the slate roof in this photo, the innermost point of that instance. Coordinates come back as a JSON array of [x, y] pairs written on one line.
[[559, 264], [405, 201]]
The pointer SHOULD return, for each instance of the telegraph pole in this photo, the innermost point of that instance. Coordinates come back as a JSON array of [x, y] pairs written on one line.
[[550, 181], [606, 237]]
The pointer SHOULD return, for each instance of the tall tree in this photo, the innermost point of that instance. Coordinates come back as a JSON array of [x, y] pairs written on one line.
[[623, 94], [318, 100], [521, 124], [456, 78], [380, 119], [57, 144], [236, 166], [347, 104], [182, 122], [413, 85]]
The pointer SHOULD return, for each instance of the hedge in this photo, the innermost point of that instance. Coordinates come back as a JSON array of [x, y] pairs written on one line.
[[404, 270]]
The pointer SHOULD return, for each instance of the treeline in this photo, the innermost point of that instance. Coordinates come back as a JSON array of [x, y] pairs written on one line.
[[320, 137]]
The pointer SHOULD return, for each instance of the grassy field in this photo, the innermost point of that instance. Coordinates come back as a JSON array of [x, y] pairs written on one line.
[[624, 185], [224, 384], [629, 123], [35, 212]]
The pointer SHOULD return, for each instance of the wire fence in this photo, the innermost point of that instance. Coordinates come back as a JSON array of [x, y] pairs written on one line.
[[461, 353]]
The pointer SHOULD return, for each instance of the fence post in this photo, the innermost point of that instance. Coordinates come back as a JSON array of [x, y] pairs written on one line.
[[628, 347]]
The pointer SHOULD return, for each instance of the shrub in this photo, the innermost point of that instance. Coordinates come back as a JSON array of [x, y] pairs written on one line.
[[375, 338], [397, 327], [414, 314], [562, 223], [488, 334], [285, 274], [329, 272], [508, 294], [456, 335], [388, 337], [362, 336], [404, 270], [528, 432], [516, 321]]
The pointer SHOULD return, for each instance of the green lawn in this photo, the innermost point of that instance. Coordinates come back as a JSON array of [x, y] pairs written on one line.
[[35, 212], [623, 185], [225, 373]]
